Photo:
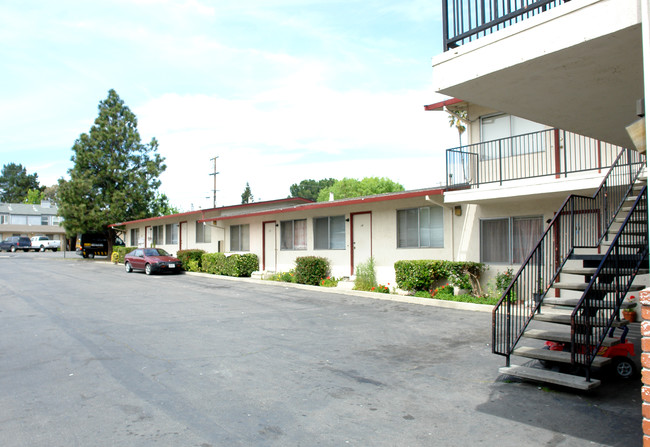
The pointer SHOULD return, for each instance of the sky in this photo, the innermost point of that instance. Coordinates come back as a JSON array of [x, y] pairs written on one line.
[[279, 90]]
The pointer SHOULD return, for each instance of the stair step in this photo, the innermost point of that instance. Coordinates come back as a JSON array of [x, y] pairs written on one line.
[[573, 302], [544, 375], [564, 337], [582, 286], [560, 318], [555, 356], [628, 245], [586, 271]]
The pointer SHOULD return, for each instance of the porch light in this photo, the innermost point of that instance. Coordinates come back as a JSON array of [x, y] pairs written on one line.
[[636, 131], [458, 211]]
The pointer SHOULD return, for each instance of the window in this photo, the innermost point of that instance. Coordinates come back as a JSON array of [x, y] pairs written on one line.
[[293, 235], [158, 235], [509, 240], [329, 233], [501, 127], [45, 220], [420, 227], [203, 233], [171, 233], [239, 237], [135, 235], [4, 219], [17, 219]]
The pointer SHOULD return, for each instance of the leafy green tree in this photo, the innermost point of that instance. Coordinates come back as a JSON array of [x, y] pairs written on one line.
[[51, 193], [160, 206], [247, 195], [349, 187], [15, 183], [458, 119], [34, 197], [114, 177], [309, 189]]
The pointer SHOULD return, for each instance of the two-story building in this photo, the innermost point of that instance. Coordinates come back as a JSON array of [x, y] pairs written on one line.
[[20, 219]]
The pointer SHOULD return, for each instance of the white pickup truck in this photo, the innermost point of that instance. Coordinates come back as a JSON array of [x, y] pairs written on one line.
[[42, 243]]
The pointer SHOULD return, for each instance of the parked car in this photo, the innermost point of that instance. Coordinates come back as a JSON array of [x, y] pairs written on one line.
[[42, 243], [151, 260], [14, 243]]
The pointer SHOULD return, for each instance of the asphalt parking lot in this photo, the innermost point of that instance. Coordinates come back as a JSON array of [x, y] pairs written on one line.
[[90, 355]]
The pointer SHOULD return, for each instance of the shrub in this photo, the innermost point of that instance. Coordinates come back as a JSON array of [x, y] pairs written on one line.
[[311, 269], [193, 254], [284, 277], [329, 282], [121, 252], [241, 265], [192, 265], [503, 279], [213, 263], [366, 277], [380, 289], [419, 275]]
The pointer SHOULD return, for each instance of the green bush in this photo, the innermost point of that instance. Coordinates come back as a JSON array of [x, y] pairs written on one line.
[[121, 252], [311, 270], [214, 263], [365, 276], [193, 254], [420, 274], [241, 265]]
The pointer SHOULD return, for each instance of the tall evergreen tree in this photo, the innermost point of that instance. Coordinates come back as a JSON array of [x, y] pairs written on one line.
[[115, 176], [247, 195], [15, 183], [309, 189]]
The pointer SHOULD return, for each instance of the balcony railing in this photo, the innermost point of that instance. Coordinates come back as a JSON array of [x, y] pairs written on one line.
[[551, 152], [467, 20]]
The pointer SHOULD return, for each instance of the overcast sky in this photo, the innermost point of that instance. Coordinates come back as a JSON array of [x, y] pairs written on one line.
[[279, 90]]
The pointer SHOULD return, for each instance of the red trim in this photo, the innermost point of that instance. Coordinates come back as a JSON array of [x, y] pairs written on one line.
[[180, 234], [352, 238], [189, 213], [336, 203], [442, 104]]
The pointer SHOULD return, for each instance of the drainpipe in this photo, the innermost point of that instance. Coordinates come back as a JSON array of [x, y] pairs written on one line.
[[451, 210]]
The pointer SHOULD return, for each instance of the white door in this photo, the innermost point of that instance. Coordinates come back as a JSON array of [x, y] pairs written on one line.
[[269, 255], [182, 242], [361, 239]]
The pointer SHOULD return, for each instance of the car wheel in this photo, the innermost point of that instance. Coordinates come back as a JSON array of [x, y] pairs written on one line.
[[91, 255], [42, 249], [147, 269], [127, 267], [25, 250], [624, 368], [54, 250], [12, 249]]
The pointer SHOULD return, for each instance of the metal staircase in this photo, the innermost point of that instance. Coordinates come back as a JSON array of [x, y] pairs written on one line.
[[571, 286]]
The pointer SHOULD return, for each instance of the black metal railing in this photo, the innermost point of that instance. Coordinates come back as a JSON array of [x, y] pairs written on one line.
[[599, 306], [467, 20], [580, 222], [551, 152]]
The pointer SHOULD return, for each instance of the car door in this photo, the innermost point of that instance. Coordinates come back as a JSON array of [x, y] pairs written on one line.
[[137, 261]]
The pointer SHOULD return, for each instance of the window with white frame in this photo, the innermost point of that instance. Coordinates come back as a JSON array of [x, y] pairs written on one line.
[[329, 233], [45, 220], [4, 219], [239, 237], [420, 227], [499, 128], [509, 240], [171, 233], [203, 233], [158, 234], [293, 235], [134, 236]]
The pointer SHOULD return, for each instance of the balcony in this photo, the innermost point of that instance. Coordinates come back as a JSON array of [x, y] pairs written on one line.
[[467, 20], [552, 153]]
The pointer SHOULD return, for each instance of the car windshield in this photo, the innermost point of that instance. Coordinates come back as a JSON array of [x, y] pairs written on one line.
[[155, 252]]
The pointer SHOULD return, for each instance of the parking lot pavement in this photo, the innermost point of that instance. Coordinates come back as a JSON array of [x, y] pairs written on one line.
[[91, 355]]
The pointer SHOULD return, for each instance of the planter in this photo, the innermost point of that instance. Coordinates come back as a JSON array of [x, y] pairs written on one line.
[[629, 315]]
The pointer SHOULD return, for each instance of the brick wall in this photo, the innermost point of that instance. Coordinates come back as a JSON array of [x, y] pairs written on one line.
[[644, 300]]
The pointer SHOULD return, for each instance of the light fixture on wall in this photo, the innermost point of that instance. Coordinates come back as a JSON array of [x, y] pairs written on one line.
[[458, 211], [636, 130]]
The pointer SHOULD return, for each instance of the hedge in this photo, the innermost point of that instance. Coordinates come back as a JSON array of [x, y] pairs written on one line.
[[311, 270], [121, 252], [213, 263], [424, 274], [233, 265], [191, 259]]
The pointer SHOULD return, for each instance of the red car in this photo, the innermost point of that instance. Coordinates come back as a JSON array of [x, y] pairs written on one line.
[[151, 260]]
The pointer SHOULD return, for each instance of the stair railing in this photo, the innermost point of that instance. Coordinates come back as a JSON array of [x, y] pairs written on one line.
[[601, 302], [580, 222]]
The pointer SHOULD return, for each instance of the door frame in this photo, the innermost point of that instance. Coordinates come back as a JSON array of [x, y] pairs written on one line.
[[180, 233], [352, 237], [275, 224]]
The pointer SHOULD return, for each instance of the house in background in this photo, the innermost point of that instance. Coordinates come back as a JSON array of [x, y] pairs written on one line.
[[20, 219], [577, 67]]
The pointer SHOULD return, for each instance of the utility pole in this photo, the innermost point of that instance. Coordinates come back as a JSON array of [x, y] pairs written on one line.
[[214, 189]]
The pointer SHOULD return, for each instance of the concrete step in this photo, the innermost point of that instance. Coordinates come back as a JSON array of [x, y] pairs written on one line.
[[546, 376], [582, 286], [564, 337], [586, 271], [555, 356], [573, 302], [564, 318]]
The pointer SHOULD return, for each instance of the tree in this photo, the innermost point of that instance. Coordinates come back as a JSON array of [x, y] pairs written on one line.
[[15, 183], [247, 195], [114, 177], [309, 189], [458, 119], [161, 206], [349, 187], [34, 197], [51, 193]]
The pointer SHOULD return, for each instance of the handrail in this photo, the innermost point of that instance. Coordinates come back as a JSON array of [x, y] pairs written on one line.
[[580, 222], [609, 285]]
